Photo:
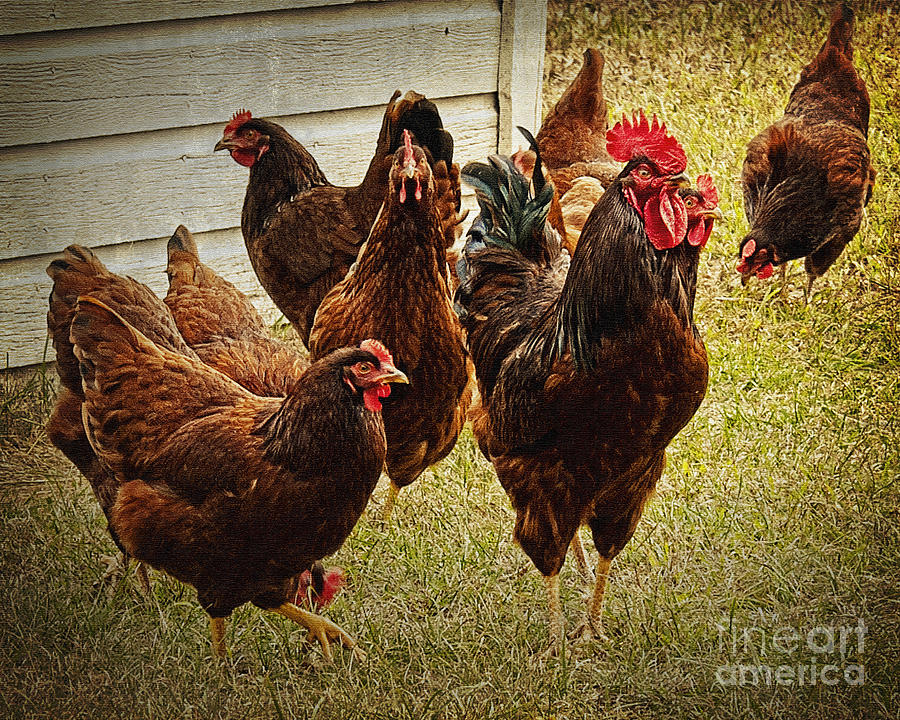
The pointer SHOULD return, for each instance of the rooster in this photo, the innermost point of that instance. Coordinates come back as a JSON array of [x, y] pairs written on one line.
[[303, 233], [807, 177], [232, 493], [405, 259], [221, 325], [586, 371]]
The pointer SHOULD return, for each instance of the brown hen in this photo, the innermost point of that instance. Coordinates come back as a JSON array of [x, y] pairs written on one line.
[[223, 327], [229, 492], [808, 177], [405, 260]]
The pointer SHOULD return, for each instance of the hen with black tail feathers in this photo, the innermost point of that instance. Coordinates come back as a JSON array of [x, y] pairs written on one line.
[[586, 370]]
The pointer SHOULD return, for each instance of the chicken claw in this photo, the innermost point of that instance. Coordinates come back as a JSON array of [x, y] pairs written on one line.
[[320, 629]]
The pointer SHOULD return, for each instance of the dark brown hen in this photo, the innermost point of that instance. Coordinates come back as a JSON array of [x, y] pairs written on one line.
[[227, 491], [398, 292], [585, 372], [303, 233], [807, 177]]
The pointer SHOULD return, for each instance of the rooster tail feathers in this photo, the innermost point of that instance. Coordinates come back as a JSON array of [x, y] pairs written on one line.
[[840, 35], [537, 174], [511, 217]]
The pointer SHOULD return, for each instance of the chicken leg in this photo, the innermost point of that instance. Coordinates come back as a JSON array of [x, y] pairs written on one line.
[[592, 626], [393, 492], [321, 629], [577, 548], [807, 294], [551, 584], [217, 632]]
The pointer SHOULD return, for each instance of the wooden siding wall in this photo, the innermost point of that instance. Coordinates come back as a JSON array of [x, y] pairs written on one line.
[[109, 111]]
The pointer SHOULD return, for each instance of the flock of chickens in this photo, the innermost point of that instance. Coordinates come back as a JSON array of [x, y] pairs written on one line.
[[562, 329]]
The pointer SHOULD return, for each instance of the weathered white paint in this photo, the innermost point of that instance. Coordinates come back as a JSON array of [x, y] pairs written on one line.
[[107, 128], [25, 16], [107, 81], [116, 189], [522, 39]]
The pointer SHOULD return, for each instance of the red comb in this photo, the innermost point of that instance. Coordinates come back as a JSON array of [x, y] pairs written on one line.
[[639, 137], [378, 350], [238, 119], [408, 156], [707, 188]]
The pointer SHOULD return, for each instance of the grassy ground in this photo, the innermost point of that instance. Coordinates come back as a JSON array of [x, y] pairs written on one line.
[[778, 509]]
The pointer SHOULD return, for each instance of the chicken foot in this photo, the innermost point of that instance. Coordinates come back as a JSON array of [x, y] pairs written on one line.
[[320, 629], [591, 628], [117, 567]]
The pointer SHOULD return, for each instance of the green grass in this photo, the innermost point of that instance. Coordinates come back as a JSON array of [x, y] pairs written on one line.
[[779, 506]]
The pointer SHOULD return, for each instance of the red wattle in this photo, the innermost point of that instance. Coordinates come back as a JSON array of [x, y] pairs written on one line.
[[372, 397], [244, 157], [699, 234], [402, 192], [765, 271], [418, 190], [665, 220]]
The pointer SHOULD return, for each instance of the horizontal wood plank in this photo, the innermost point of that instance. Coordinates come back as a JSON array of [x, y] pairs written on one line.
[[27, 16], [25, 286], [88, 83], [111, 190]]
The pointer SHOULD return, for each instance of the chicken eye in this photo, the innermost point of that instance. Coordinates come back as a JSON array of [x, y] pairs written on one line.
[[364, 368], [689, 202], [643, 172]]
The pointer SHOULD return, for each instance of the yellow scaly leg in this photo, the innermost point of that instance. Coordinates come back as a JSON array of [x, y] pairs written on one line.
[[577, 548], [393, 492], [217, 631], [551, 585], [592, 627]]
